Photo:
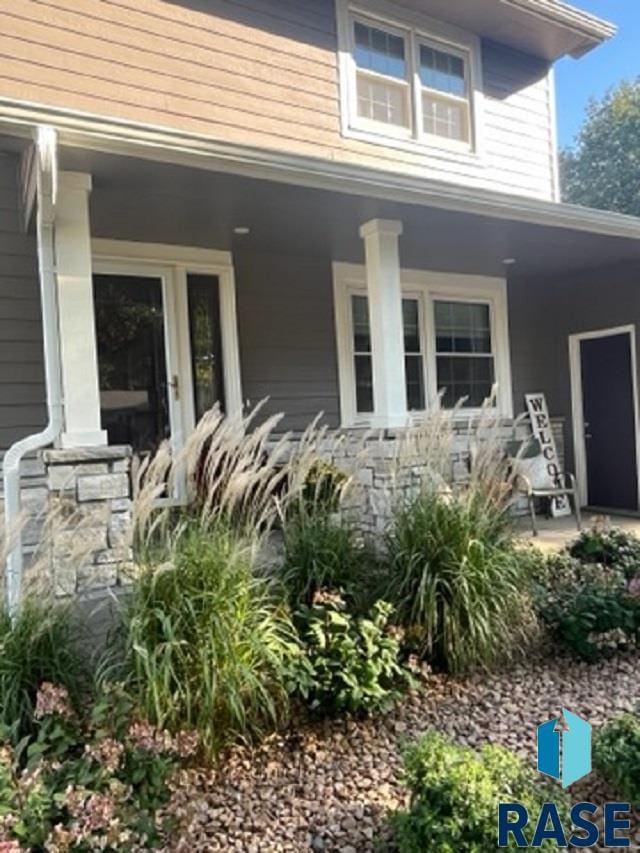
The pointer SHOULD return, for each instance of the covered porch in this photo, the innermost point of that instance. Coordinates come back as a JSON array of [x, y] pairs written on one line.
[[185, 284]]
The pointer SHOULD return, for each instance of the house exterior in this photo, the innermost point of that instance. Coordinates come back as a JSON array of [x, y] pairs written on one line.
[[345, 206]]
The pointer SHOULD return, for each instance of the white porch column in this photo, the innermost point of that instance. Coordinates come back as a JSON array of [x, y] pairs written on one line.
[[382, 255], [75, 308]]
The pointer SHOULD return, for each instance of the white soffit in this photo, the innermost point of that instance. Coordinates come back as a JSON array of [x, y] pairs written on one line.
[[549, 29]]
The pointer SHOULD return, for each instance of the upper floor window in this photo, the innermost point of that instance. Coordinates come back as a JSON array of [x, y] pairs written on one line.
[[403, 83], [446, 109], [382, 84]]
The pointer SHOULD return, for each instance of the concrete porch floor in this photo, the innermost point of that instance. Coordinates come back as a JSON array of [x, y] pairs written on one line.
[[555, 533]]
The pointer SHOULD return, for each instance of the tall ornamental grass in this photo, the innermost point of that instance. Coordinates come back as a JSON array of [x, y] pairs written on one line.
[[207, 643], [458, 588], [322, 548], [457, 583]]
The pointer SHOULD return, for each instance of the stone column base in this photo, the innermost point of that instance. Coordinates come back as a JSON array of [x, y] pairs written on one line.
[[89, 518]]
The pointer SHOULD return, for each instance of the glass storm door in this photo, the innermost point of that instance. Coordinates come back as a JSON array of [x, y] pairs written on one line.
[[159, 353]]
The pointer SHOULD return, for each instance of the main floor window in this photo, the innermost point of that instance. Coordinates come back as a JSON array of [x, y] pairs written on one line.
[[362, 359], [456, 348], [405, 83], [464, 352]]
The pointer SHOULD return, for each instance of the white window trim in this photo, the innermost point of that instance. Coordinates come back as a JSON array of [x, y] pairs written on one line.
[[176, 262], [349, 279], [416, 28]]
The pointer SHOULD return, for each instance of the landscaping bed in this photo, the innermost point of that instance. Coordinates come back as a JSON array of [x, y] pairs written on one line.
[[331, 693], [331, 786]]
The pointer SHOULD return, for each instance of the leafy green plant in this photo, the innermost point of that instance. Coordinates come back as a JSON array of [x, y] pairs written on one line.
[[455, 580], [455, 794], [616, 754], [207, 644], [41, 644], [590, 608], [610, 547], [349, 664]]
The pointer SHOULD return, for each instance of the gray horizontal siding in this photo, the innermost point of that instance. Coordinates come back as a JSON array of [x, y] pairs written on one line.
[[287, 338], [22, 395], [542, 316], [518, 128]]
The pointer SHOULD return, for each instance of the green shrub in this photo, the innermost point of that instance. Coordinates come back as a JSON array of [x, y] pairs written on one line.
[[590, 608], [456, 583], [350, 664], [40, 645], [77, 784], [207, 646], [455, 794], [616, 754], [610, 547], [322, 551]]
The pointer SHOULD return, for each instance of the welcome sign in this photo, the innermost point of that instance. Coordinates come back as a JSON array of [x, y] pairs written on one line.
[[543, 432]]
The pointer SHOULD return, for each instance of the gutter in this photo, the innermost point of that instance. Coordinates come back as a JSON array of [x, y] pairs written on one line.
[[46, 172]]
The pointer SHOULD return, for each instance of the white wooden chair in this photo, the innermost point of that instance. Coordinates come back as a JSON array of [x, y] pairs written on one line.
[[532, 479]]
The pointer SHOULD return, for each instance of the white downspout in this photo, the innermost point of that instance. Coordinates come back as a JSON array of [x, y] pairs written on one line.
[[46, 166]]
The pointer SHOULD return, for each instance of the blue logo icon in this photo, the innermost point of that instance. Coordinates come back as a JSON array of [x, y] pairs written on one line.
[[564, 748]]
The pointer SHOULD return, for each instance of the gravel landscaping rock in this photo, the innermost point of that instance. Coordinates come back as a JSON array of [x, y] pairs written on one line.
[[329, 787]]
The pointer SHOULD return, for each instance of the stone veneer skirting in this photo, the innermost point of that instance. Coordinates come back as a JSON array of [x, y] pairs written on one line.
[[380, 480], [89, 500]]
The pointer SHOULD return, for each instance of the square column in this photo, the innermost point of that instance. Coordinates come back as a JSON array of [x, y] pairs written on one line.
[[381, 237], [78, 348]]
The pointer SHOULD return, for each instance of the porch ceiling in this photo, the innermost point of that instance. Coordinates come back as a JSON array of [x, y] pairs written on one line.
[[145, 201]]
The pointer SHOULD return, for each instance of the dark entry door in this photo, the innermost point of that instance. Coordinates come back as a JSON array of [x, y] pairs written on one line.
[[609, 421]]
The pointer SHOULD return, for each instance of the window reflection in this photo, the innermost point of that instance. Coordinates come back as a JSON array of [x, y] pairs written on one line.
[[131, 360]]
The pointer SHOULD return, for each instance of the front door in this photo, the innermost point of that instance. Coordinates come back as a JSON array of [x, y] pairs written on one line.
[[139, 392], [609, 416], [159, 354]]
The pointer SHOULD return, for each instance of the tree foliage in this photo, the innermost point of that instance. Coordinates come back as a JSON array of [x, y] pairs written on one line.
[[603, 169]]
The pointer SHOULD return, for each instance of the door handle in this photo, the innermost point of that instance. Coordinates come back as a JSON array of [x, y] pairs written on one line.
[[174, 384]]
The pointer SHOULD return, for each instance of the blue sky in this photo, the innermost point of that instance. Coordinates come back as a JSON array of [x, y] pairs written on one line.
[[578, 80]]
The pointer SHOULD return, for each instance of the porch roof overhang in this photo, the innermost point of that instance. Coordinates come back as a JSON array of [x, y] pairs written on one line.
[[546, 28], [302, 204], [442, 230]]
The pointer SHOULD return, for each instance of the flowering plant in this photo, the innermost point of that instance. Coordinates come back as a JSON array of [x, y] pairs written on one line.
[[85, 785]]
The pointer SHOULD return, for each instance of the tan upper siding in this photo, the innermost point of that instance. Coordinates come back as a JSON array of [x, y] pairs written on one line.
[[257, 72]]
